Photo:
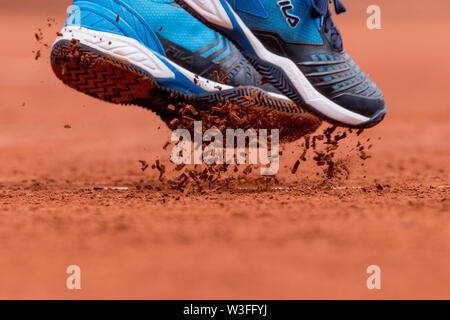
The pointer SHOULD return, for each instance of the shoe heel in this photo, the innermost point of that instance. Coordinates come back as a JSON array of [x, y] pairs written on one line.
[[110, 67], [97, 75]]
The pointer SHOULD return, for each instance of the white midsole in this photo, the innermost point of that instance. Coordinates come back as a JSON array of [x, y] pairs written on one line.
[[311, 96], [132, 51]]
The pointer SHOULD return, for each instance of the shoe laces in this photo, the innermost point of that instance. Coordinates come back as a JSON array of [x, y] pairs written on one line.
[[320, 8]]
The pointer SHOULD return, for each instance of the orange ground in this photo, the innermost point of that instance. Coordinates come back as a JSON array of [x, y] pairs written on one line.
[[312, 240]]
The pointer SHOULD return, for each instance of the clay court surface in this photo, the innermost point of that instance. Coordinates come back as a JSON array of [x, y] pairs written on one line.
[[72, 190]]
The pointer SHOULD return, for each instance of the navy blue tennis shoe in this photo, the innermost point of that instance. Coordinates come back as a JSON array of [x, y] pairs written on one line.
[[296, 46]]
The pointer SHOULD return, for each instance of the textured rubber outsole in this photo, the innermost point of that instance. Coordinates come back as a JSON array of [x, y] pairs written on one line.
[[276, 76], [109, 79]]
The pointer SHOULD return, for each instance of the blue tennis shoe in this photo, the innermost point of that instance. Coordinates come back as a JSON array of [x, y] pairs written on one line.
[[296, 46], [154, 54]]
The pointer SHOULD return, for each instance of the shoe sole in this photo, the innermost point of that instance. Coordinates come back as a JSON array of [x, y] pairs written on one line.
[[114, 78], [281, 72]]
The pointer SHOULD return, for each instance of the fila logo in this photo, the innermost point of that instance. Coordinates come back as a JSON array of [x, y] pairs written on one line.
[[285, 7]]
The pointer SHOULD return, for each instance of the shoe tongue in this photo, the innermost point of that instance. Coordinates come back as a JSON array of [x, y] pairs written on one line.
[[339, 6], [321, 7]]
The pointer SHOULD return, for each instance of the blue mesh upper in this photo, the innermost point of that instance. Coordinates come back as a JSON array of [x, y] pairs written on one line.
[[142, 19]]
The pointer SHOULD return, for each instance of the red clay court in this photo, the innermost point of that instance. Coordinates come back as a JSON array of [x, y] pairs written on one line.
[[306, 237]]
